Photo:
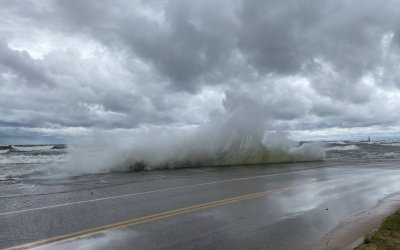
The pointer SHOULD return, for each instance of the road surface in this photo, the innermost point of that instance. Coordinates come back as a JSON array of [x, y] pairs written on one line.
[[282, 206]]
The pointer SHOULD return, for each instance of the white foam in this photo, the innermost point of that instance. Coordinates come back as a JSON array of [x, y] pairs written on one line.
[[343, 148], [33, 148], [391, 144], [390, 155], [4, 151], [30, 159]]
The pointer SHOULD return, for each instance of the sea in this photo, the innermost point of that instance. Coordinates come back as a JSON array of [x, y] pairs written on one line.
[[37, 161]]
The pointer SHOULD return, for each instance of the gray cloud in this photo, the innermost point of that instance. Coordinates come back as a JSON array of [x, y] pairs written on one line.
[[189, 41], [22, 65], [124, 64]]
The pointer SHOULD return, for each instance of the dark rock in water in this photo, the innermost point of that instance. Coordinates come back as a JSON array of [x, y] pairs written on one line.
[[138, 166], [6, 147], [59, 146]]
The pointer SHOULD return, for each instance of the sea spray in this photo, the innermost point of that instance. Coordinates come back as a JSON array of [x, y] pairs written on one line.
[[238, 135]]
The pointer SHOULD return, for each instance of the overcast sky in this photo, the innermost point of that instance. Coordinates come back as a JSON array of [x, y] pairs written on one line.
[[319, 67]]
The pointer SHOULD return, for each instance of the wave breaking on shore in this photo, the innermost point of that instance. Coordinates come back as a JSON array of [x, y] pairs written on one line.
[[236, 136]]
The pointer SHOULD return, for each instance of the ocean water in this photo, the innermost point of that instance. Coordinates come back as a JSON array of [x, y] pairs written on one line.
[[23, 161], [362, 150], [38, 161]]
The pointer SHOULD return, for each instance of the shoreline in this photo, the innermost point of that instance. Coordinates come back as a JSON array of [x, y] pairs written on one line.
[[386, 237], [351, 233]]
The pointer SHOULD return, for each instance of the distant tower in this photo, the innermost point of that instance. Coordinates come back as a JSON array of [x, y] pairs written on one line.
[[369, 138]]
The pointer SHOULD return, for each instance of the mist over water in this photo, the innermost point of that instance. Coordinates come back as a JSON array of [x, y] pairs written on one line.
[[237, 135]]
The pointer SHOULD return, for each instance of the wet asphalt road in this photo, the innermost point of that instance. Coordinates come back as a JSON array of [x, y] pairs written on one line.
[[283, 206]]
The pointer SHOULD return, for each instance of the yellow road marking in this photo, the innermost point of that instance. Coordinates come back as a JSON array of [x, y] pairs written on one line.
[[157, 216]]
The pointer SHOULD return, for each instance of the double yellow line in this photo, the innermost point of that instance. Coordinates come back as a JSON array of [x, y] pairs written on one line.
[[155, 217]]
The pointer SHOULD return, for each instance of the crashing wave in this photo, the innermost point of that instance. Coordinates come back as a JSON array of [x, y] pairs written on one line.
[[249, 150], [236, 136]]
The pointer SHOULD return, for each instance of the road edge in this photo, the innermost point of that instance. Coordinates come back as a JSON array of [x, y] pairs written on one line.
[[350, 233]]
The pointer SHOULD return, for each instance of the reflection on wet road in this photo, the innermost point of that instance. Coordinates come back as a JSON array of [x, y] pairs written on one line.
[[286, 206]]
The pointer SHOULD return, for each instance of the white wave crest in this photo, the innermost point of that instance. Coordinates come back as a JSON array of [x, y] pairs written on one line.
[[4, 151], [33, 148], [391, 144], [29, 159], [343, 148], [390, 155]]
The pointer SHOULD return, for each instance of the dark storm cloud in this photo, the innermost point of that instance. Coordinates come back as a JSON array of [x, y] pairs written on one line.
[[22, 65], [275, 35], [191, 41], [64, 89], [320, 63], [296, 37], [194, 41]]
